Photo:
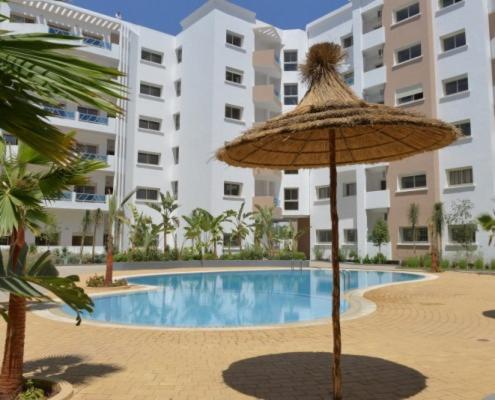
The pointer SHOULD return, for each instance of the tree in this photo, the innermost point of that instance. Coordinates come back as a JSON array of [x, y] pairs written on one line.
[[437, 222], [27, 180], [487, 223], [85, 225], [192, 230], [166, 208], [264, 228], [36, 71], [461, 224], [379, 235], [97, 219], [412, 216], [116, 216], [241, 225]]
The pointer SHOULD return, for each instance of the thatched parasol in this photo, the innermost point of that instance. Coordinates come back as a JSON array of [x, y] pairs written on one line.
[[331, 126]]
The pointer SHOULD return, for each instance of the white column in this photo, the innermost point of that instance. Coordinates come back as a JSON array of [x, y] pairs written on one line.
[[361, 218]]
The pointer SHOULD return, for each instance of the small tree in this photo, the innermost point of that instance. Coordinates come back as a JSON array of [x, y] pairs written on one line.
[[379, 235], [461, 223], [85, 225], [487, 223], [412, 216], [97, 218], [436, 228], [166, 208]]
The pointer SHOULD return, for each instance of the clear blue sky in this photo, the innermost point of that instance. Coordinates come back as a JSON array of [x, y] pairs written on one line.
[[165, 15]]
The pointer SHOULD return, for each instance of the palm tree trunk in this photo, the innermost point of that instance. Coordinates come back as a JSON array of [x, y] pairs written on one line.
[[94, 242], [109, 266], [13, 355], [337, 341], [165, 228]]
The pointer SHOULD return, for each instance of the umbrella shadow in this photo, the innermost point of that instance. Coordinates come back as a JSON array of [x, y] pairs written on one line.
[[71, 368], [489, 313], [308, 375]]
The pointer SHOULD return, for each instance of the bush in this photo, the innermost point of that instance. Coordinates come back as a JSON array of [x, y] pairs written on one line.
[[462, 263], [353, 255], [492, 265], [412, 262], [444, 264], [379, 259], [426, 261], [479, 263], [289, 255], [367, 260], [31, 392], [342, 255], [318, 253], [99, 281]]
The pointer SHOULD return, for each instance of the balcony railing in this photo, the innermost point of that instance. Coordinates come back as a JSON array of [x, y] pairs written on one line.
[[59, 31], [97, 42], [95, 119], [60, 112], [90, 198], [93, 156]]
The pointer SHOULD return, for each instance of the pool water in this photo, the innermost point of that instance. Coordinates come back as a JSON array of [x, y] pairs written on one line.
[[234, 299]]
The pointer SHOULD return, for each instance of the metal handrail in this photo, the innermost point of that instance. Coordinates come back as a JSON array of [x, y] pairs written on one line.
[[97, 42], [60, 112], [90, 198], [59, 31], [93, 156]]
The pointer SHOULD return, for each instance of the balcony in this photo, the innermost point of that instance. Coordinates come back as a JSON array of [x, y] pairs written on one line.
[[267, 96], [374, 38], [268, 201], [95, 42], [94, 119], [83, 201], [375, 77], [378, 199], [73, 119], [60, 112], [268, 62], [94, 156]]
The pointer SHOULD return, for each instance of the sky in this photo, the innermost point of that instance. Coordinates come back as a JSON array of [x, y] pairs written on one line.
[[165, 15]]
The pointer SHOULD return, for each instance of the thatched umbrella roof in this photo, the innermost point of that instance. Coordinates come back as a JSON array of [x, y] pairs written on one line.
[[364, 132]]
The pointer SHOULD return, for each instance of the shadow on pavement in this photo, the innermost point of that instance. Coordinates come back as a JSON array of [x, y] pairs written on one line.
[[307, 375], [489, 313], [71, 368]]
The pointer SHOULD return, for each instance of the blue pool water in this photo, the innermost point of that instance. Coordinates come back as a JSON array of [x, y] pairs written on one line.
[[232, 299]]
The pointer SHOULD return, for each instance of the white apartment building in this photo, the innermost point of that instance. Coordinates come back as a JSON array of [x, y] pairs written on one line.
[[226, 70]]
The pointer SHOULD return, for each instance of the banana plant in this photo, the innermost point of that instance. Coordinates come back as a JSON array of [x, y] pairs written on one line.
[[487, 222]]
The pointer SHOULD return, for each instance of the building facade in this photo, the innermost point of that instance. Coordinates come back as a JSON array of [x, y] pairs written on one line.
[[225, 71]]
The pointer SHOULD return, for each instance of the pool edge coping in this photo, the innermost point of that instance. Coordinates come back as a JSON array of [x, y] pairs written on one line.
[[359, 306]]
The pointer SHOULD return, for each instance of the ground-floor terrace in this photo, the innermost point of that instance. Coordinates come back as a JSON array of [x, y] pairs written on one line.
[[426, 340]]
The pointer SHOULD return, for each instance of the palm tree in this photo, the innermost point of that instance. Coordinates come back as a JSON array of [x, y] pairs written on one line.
[[412, 216], [85, 225], [166, 208], [27, 180], [97, 218], [242, 227], [116, 216], [265, 228], [36, 71], [192, 230], [437, 222], [487, 223]]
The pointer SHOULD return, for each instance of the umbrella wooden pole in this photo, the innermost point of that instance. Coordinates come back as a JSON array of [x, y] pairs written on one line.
[[337, 345]]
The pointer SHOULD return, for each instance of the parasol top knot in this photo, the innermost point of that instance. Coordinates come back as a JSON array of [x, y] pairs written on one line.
[[322, 59]]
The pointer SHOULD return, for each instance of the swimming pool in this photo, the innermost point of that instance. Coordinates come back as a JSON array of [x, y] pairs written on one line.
[[234, 298]]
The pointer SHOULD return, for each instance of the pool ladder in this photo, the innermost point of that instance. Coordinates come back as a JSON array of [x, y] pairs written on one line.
[[293, 264]]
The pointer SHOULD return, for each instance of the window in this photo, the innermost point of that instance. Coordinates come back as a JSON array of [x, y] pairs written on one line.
[[459, 233], [150, 90], [77, 240], [413, 182], [349, 189], [10, 139], [464, 127], [291, 199], [291, 172], [231, 189], [147, 194], [324, 235], [233, 75], [407, 234], [290, 94], [407, 12], [290, 60], [149, 124], [454, 41], [110, 147], [178, 88], [323, 192], [408, 54], [350, 235], [178, 54], [175, 189], [87, 111], [47, 240], [175, 154], [348, 77], [22, 19], [446, 3], [151, 56], [460, 176], [148, 158], [456, 85], [4, 240], [59, 30], [233, 112], [409, 95], [229, 240], [234, 39], [347, 41], [87, 148], [85, 189], [177, 121]]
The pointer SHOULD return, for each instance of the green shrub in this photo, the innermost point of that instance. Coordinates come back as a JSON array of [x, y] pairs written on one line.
[[444, 264], [412, 262], [342, 255], [379, 259], [492, 265], [367, 260], [99, 281], [426, 261], [353, 255], [31, 392], [462, 263], [120, 257], [479, 263], [290, 255], [318, 253]]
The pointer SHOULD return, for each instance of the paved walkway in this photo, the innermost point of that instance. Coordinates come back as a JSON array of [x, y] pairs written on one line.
[[429, 340]]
